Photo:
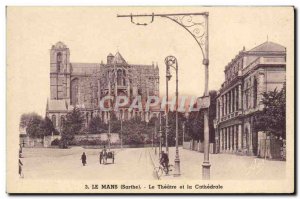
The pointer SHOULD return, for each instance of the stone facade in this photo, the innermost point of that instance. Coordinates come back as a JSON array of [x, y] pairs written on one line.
[[83, 85], [247, 77]]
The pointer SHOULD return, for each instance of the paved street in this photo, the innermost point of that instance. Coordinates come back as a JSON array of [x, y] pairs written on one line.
[[138, 163], [66, 163]]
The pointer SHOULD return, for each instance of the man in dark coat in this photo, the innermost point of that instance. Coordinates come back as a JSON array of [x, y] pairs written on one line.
[[83, 159], [164, 161]]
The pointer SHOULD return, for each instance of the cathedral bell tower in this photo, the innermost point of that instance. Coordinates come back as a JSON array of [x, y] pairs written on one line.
[[60, 71]]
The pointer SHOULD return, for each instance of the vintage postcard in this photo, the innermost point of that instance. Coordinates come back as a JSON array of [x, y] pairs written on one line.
[[150, 100]]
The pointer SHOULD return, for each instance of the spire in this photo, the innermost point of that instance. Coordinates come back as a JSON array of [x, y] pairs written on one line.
[[118, 59]]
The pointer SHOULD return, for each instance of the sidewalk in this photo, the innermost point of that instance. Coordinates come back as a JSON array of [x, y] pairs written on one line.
[[223, 166]]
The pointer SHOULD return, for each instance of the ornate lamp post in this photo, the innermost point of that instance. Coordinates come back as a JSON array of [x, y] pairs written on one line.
[[196, 24], [160, 135], [171, 61], [168, 77]]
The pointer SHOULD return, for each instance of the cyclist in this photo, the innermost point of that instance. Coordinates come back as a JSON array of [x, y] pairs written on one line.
[[164, 161]]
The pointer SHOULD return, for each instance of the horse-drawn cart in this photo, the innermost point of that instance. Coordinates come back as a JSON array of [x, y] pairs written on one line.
[[107, 155]]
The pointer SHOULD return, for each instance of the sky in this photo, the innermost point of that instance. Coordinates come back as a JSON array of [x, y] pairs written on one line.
[[91, 33]]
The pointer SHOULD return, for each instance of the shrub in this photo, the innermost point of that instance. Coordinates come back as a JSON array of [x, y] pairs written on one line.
[[55, 142]]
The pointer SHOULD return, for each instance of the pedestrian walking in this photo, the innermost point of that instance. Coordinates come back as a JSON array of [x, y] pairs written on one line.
[[83, 159], [100, 157]]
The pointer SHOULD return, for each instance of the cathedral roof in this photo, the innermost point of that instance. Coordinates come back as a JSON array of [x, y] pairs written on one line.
[[268, 47], [57, 105], [85, 68], [118, 59]]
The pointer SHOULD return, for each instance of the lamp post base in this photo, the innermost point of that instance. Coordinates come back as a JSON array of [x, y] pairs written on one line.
[[177, 168], [206, 170]]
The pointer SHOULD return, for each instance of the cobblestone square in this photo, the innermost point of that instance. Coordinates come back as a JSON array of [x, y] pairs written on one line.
[[139, 163]]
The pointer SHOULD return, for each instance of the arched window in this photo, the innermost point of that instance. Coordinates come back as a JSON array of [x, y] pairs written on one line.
[[58, 61], [74, 91], [87, 118], [62, 121], [126, 115], [119, 77], [247, 137], [53, 118], [254, 93], [247, 99], [124, 78]]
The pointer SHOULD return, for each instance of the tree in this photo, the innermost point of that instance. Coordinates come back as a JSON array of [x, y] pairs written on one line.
[[96, 125], [172, 127], [135, 131], [194, 125], [273, 117], [115, 124], [26, 118], [47, 127], [34, 126], [72, 125], [212, 113], [195, 121]]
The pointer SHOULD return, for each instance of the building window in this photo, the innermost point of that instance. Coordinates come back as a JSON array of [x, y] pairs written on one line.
[[62, 121], [58, 61], [124, 79], [87, 118], [230, 102], [233, 100], [237, 98], [254, 93], [223, 105], [74, 92], [54, 120], [246, 96], [119, 77]]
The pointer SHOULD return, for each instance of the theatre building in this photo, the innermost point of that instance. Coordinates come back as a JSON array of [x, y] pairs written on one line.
[[247, 77]]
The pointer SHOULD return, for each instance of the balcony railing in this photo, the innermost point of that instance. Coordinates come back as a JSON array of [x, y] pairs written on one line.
[[230, 116]]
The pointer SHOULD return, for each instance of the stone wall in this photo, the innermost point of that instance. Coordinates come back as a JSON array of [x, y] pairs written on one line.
[[26, 141], [114, 138], [48, 140], [195, 145]]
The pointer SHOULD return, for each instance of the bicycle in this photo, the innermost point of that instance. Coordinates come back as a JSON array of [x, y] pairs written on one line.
[[160, 170]]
